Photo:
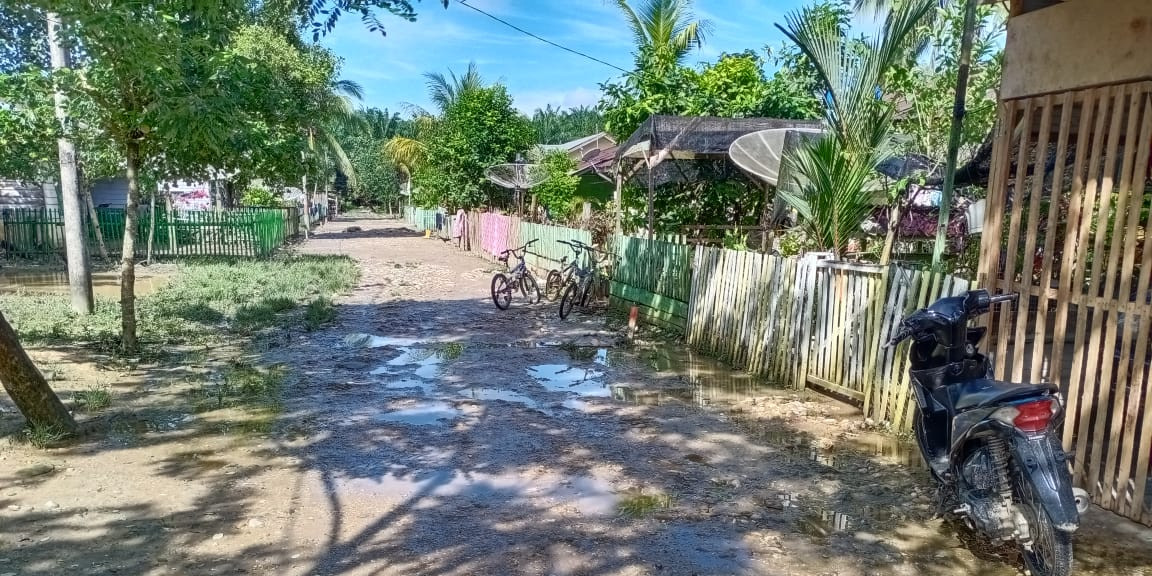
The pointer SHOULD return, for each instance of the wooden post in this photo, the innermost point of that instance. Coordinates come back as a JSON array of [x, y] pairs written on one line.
[[618, 200]]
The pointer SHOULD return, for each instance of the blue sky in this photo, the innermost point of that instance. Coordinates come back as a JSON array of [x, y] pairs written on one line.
[[390, 67]]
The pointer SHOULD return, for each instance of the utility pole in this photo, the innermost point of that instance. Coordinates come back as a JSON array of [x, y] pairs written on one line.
[[958, 112], [79, 273]]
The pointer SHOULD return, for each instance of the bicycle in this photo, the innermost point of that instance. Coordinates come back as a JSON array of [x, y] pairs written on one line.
[[518, 278], [578, 291], [558, 279]]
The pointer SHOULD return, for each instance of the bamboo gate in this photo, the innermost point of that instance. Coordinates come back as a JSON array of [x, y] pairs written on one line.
[[1071, 173]]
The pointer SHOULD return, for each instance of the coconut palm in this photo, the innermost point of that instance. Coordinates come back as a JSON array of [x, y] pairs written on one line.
[[832, 190], [336, 113], [665, 29], [444, 91], [407, 152]]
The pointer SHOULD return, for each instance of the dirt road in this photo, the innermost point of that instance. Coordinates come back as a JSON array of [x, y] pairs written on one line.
[[425, 432]]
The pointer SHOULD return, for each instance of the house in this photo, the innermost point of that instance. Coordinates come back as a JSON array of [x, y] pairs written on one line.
[[579, 149], [1066, 226], [17, 194]]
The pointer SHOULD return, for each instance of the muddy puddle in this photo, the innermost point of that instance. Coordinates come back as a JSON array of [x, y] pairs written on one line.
[[104, 284], [432, 413], [590, 495], [584, 382], [490, 394]]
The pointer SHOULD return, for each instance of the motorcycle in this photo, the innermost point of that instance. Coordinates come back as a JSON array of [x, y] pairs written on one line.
[[992, 447]]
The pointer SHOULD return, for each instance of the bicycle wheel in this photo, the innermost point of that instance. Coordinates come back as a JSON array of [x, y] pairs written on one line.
[[554, 285], [529, 288], [501, 291], [568, 300], [585, 292]]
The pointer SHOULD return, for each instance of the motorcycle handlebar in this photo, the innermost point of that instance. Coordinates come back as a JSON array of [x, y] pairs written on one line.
[[1001, 298]]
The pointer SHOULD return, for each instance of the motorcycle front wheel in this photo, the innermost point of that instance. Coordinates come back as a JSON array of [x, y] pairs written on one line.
[[1051, 550]]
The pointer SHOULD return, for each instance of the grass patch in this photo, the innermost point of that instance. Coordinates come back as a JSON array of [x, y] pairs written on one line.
[[205, 298], [44, 435], [637, 504], [92, 399], [240, 385], [318, 313]]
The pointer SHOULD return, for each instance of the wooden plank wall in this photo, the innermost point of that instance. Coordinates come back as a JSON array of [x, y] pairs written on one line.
[[655, 276], [548, 253], [1072, 240]]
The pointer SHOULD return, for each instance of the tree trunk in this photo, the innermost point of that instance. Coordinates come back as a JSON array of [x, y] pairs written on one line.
[[27, 387], [128, 253], [307, 207], [893, 230], [151, 225], [79, 272], [958, 113], [94, 216]]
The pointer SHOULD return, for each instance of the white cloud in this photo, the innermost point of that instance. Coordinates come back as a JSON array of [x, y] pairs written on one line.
[[528, 101]]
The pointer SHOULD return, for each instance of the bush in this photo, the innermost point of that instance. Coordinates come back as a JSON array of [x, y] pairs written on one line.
[[261, 197]]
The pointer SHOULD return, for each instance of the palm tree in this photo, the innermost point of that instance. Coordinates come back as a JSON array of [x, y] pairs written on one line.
[[335, 113], [444, 91], [954, 136], [665, 29], [833, 175], [407, 152]]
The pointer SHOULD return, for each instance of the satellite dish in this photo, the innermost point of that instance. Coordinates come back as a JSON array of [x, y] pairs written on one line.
[[760, 153], [590, 156], [517, 176]]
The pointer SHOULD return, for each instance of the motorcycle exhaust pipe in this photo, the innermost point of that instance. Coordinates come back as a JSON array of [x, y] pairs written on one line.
[[1082, 499]]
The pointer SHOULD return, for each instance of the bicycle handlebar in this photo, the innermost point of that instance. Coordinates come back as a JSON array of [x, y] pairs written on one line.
[[520, 249]]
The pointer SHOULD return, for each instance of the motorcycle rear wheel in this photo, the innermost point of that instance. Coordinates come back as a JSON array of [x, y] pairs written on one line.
[[1051, 553]]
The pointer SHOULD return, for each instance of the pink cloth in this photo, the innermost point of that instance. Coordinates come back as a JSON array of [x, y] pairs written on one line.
[[494, 233], [458, 224]]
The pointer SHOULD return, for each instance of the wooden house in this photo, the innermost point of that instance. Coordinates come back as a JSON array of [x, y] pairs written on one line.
[[1069, 204]]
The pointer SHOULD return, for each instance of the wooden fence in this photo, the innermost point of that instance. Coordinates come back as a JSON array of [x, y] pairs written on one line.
[[38, 234], [548, 253], [1069, 231], [813, 322], [655, 276]]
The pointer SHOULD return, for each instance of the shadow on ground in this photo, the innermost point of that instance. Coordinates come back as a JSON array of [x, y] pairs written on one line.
[[534, 484]]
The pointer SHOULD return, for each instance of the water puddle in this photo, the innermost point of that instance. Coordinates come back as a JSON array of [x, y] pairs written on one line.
[[488, 394], [425, 385], [426, 360], [423, 414], [104, 284], [570, 379], [590, 495], [372, 341]]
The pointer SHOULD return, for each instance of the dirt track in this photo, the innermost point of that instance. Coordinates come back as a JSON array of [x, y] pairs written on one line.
[[428, 433]]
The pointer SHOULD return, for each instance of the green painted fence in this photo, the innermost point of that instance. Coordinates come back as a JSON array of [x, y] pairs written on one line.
[[548, 253], [655, 276], [420, 219], [38, 234]]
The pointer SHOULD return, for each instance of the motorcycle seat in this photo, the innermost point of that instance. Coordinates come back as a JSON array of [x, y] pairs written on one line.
[[985, 392]]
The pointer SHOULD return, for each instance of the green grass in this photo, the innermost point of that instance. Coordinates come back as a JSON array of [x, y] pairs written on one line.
[[318, 313], [92, 399], [240, 385], [637, 504], [204, 299], [44, 436]]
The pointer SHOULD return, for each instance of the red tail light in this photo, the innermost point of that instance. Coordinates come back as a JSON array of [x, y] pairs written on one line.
[[1033, 416]]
